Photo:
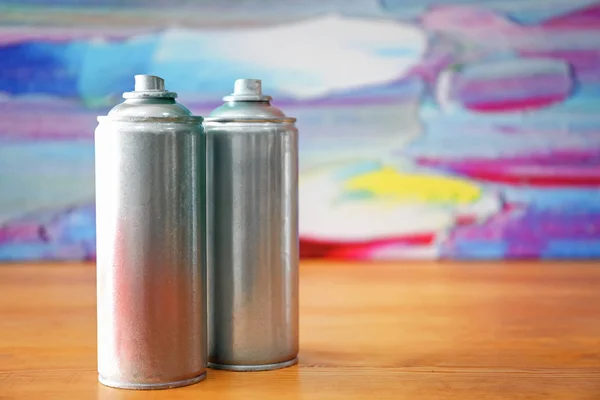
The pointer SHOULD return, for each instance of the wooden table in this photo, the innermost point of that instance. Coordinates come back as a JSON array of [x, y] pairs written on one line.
[[368, 331]]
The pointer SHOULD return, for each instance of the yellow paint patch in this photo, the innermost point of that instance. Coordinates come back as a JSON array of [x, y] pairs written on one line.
[[391, 184]]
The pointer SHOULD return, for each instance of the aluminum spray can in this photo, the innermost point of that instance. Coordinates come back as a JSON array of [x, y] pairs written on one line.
[[252, 231], [151, 268]]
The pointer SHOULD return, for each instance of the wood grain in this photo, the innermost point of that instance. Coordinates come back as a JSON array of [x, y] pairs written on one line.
[[368, 331]]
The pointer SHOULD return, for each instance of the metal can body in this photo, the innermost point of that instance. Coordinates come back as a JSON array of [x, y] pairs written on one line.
[[252, 214], [151, 284]]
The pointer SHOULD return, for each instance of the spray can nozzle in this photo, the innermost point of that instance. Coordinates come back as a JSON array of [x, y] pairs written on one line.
[[247, 90], [149, 86], [146, 83]]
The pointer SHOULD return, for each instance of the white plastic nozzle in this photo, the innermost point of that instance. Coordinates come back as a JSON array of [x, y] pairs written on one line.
[[244, 87], [149, 83]]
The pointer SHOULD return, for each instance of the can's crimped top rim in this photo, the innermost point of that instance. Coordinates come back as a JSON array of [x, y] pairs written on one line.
[[149, 87], [179, 119], [287, 120], [150, 95]]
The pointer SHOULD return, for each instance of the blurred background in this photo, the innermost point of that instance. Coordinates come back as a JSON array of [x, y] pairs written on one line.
[[428, 128]]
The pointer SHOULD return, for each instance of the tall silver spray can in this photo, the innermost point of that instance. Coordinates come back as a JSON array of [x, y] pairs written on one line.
[[151, 272], [252, 214]]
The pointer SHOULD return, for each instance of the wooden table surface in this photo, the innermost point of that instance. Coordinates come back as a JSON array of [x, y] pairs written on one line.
[[368, 331]]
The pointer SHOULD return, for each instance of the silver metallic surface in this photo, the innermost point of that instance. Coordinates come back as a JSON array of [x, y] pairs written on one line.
[[252, 224], [151, 386], [151, 275], [252, 368]]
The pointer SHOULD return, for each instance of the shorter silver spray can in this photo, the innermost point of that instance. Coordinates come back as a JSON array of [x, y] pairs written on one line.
[[252, 217], [151, 283]]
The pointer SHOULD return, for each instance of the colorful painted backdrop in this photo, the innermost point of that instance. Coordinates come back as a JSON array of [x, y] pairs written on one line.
[[429, 129]]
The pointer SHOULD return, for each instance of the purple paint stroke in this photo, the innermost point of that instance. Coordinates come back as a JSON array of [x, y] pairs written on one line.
[[506, 85], [526, 231], [45, 125], [53, 118], [21, 232], [504, 88], [66, 234], [23, 103], [26, 228]]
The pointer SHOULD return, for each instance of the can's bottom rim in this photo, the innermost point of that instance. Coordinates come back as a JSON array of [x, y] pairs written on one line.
[[258, 367], [151, 386]]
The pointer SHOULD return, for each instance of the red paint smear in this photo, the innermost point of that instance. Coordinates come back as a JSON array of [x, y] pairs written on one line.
[[352, 253], [514, 104], [462, 220], [314, 248]]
